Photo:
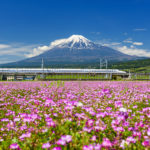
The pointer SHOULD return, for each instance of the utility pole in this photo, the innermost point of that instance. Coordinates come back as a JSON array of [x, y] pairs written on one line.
[[103, 62], [106, 63], [129, 74], [42, 67], [100, 67]]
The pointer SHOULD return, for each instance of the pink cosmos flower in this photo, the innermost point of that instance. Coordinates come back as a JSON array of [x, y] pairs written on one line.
[[25, 135], [106, 143], [102, 128], [48, 102], [119, 129], [51, 124], [47, 119], [46, 145], [93, 138], [4, 120], [44, 130], [97, 128], [123, 144], [79, 104], [16, 119], [120, 118], [135, 106], [67, 138], [108, 108], [123, 109], [88, 147], [148, 132], [97, 147], [61, 142], [55, 114], [87, 129], [139, 134], [90, 122], [130, 139], [146, 143], [118, 104], [27, 119], [24, 127], [101, 114], [14, 146], [56, 148]]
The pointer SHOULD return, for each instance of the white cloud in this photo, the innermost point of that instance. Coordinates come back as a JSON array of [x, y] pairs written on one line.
[[133, 51], [110, 44], [17, 50], [115, 43], [128, 40], [14, 52], [2, 46], [37, 51], [137, 43], [131, 46], [106, 44]]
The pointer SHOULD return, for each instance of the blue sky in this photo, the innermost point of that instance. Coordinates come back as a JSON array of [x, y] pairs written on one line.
[[28, 24]]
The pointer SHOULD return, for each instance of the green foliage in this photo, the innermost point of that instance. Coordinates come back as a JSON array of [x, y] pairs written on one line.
[[135, 65]]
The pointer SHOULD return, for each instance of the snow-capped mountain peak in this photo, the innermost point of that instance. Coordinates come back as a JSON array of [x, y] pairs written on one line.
[[78, 38], [74, 41]]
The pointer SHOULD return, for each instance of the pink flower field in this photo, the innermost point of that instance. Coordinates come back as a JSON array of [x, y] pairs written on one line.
[[75, 115]]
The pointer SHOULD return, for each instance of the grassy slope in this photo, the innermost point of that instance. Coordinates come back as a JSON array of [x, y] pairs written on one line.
[[135, 66]]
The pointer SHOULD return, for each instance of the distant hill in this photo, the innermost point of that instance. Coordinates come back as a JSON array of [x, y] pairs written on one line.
[[142, 66], [73, 50]]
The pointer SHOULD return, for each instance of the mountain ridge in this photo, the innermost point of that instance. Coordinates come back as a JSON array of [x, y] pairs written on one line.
[[74, 49]]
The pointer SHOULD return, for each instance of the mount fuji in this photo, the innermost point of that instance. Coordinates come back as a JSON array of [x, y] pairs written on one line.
[[72, 50], [73, 42]]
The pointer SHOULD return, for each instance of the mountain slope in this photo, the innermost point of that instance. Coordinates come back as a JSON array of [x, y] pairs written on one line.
[[142, 65], [75, 49]]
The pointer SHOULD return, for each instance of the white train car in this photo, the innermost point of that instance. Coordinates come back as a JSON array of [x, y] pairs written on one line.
[[24, 73]]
